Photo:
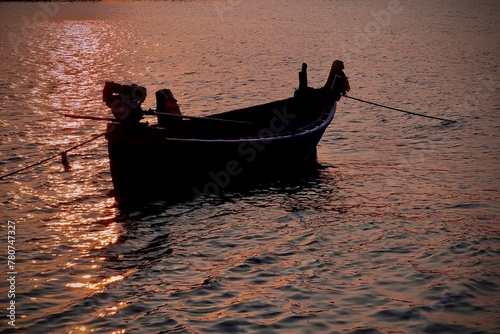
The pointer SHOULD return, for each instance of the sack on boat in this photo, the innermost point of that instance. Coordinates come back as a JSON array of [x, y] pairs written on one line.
[[166, 104]]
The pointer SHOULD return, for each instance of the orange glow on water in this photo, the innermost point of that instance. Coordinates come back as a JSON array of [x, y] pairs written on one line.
[[111, 310], [397, 232], [98, 286]]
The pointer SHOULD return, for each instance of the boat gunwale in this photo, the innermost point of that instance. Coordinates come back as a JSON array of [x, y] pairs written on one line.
[[329, 110]]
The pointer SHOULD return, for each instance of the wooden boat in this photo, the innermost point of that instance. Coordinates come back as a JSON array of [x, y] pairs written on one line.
[[207, 155]]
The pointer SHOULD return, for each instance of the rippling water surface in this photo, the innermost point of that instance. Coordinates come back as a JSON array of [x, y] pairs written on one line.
[[398, 232]]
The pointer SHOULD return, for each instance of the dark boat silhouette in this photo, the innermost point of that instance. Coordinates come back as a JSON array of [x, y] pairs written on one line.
[[206, 155]]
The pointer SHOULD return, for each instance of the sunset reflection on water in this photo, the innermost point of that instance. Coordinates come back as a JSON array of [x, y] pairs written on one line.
[[99, 286], [397, 231]]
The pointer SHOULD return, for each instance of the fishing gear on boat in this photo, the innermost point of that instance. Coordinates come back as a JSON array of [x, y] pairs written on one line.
[[62, 154], [125, 104], [400, 110]]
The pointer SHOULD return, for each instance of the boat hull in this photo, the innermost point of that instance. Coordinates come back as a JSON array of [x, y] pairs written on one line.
[[151, 161]]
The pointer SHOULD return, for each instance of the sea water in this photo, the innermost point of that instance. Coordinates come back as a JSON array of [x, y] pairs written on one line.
[[398, 232]]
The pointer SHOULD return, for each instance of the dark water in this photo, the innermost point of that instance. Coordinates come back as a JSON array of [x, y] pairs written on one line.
[[398, 232]]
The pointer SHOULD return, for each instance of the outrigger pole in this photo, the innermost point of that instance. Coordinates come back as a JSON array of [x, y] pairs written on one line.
[[208, 118], [152, 112]]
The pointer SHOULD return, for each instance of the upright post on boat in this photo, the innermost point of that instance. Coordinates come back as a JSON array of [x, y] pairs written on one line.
[[303, 77]]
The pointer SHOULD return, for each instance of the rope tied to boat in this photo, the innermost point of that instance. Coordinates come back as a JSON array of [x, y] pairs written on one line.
[[400, 110], [62, 154]]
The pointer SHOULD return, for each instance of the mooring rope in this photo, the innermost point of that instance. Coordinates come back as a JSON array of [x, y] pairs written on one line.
[[62, 153], [401, 110]]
